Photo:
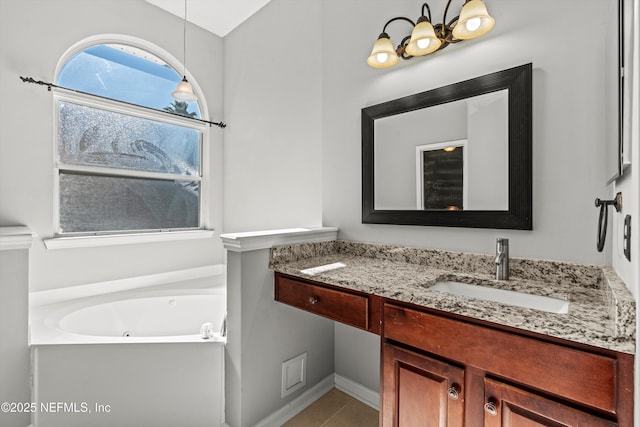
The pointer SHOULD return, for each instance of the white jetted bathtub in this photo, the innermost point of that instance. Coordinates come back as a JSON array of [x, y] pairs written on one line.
[[172, 317], [148, 356]]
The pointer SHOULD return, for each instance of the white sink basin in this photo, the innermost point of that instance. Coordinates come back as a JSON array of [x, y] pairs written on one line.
[[538, 302]]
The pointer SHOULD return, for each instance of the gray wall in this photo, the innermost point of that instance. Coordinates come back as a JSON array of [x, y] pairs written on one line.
[[14, 345], [569, 126], [273, 103], [357, 355], [629, 185], [34, 34], [295, 79], [262, 334]]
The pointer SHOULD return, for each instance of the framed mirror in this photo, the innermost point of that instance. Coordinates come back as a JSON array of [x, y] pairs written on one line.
[[457, 156]]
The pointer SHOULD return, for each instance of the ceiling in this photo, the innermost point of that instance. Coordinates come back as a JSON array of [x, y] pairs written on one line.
[[216, 16]]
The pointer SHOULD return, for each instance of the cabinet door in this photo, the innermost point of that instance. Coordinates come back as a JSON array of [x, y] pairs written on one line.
[[420, 391], [507, 406]]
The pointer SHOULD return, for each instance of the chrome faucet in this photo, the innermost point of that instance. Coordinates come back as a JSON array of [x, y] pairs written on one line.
[[502, 258]]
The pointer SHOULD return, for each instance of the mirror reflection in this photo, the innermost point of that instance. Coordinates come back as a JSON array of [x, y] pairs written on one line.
[[453, 156], [441, 176]]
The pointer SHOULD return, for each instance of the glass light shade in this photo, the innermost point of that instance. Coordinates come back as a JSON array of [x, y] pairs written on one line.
[[383, 54], [184, 91], [423, 39], [474, 21]]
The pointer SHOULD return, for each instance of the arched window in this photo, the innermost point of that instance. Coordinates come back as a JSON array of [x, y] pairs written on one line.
[[124, 73], [123, 163]]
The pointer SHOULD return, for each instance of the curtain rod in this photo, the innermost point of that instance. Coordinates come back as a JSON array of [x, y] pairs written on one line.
[[50, 85]]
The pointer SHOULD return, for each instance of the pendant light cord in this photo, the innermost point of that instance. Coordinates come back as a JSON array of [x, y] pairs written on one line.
[[184, 42]]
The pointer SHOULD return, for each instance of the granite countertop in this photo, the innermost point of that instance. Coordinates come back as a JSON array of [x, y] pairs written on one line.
[[601, 309]]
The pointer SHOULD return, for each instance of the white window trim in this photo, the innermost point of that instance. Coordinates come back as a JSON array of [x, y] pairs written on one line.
[[97, 239], [70, 242]]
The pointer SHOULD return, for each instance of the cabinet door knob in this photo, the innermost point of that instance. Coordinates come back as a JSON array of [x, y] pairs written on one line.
[[491, 408], [313, 300], [454, 392]]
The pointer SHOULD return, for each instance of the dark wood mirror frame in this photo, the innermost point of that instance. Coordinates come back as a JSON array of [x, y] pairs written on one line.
[[518, 81]]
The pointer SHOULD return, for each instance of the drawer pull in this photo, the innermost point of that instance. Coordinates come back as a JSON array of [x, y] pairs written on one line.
[[491, 408], [313, 300], [454, 392]]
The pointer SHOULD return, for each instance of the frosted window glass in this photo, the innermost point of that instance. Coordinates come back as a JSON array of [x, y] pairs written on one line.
[[90, 136], [103, 204]]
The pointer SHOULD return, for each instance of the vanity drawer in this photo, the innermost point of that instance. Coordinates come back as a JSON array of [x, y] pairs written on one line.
[[342, 306], [580, 376]]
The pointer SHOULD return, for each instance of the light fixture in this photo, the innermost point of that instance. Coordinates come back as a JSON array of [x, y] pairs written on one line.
[[473, 21], [184, 91], [450, 149], [423, 38], [383, 54]]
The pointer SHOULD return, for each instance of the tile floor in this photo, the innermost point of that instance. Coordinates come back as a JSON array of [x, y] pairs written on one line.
[[335, 409]]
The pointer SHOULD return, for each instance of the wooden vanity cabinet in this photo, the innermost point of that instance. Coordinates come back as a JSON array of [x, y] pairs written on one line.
[[443, 370], [509, 379], [350, 307], [510, 406], [420, 390]]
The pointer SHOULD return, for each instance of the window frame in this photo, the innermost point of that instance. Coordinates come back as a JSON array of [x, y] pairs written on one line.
[[72, 239]]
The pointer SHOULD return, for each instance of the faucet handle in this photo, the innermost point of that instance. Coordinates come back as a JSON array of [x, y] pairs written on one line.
[[502, 258], [501, 243]]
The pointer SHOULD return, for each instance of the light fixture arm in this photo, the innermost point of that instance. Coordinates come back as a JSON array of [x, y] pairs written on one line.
[[397, 18], [453, 20], [426, 6], [442, 30], [446, 10]]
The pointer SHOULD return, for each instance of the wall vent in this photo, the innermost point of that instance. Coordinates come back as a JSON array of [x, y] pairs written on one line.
[[294, 374]]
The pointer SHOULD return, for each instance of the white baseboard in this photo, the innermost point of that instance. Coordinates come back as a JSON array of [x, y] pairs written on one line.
[[358, 391], [297, 405]]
